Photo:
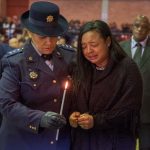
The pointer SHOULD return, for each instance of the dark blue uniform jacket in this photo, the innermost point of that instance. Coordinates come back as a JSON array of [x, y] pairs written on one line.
[[28, 89]]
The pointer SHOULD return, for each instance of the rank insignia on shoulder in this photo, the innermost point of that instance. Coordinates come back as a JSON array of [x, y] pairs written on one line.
[[59, 54], [33, 75], [66, 47], [14, 52]]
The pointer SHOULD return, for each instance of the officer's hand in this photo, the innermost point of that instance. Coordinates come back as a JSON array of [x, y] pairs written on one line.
[[73, 119], [52, 120]]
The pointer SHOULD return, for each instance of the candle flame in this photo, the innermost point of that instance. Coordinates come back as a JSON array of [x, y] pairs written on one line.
[[66, 85]]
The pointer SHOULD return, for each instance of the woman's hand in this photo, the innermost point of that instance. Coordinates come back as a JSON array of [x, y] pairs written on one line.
[[86, 121], [73, 119]]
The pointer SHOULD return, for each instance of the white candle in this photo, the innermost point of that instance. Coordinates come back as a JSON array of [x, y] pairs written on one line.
[[62, 106]]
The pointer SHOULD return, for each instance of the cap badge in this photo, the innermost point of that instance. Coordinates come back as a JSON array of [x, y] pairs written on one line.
[[50, 18]]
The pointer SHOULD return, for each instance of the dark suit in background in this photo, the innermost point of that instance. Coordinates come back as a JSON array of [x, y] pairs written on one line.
[[4, 48], [141, 28]]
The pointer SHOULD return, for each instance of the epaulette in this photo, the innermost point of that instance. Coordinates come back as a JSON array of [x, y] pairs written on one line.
[[14, 52], [66, 47]]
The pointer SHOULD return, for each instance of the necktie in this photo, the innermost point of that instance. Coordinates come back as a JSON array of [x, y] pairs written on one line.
[[137, 56], [49, 63], [47, 56]]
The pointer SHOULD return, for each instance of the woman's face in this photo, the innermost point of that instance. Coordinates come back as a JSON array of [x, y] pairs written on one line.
[[95, 48], [44, 44]]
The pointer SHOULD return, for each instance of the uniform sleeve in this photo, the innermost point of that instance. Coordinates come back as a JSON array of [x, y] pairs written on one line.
[[125, 113], [11, 106]]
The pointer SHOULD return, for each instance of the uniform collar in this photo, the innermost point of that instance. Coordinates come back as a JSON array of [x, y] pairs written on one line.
[[36, 48]]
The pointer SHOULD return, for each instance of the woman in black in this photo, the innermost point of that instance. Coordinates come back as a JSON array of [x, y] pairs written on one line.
[[108, 88]]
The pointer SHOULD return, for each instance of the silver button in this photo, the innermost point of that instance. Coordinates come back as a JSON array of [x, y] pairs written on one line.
[[52, 142], [54, 81], [34, 85], [55, 100]]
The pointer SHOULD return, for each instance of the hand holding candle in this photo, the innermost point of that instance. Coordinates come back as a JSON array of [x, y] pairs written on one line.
[[62, 106]]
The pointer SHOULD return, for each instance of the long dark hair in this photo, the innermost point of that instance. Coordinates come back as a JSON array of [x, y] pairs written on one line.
[[84, 68]]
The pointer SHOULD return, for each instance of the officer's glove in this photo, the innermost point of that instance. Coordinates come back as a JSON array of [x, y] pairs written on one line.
[[52, 120]]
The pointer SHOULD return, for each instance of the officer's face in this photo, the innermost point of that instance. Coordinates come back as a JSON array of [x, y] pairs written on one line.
[[44, 44]]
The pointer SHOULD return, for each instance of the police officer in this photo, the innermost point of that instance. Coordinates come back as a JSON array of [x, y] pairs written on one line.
[[32, 85]]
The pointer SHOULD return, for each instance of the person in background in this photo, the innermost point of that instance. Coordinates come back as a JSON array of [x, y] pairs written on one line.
[[138, 48], [9, 27], [14, 43], [108, 92], [61, 41], [32, 84]]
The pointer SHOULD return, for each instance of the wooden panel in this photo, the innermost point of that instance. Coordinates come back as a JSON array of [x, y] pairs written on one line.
[[78, 9], [16, 7], [2, 8]]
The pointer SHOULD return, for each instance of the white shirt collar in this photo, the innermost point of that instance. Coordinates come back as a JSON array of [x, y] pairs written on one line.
[[133, 42]]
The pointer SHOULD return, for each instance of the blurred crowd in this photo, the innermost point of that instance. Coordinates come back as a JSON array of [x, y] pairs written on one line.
[[12, 33]]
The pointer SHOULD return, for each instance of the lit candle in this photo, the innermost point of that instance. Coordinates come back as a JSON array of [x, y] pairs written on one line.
[[62, 106]]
